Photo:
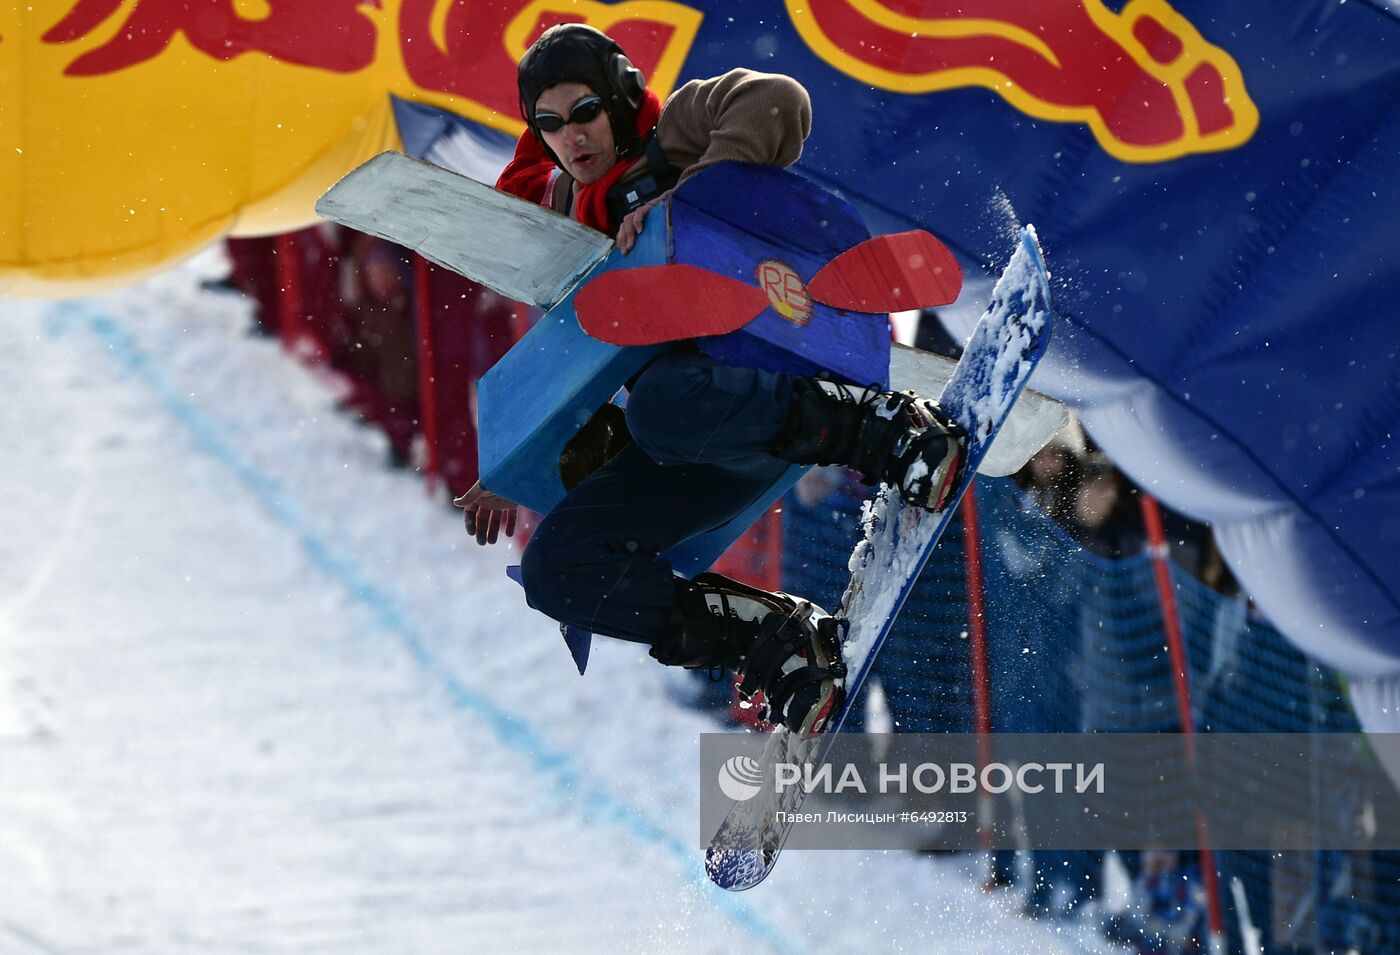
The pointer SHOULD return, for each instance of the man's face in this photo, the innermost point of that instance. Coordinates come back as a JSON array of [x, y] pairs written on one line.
[[587, 150]]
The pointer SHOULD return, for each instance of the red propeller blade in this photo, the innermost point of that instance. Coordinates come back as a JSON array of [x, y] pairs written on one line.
[[890, 273], [662, 303]]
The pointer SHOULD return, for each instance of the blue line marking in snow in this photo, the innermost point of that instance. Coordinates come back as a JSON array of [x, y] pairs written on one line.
[[514, 731]]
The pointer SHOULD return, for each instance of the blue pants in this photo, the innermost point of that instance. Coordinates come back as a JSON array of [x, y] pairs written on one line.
[[702, 434]]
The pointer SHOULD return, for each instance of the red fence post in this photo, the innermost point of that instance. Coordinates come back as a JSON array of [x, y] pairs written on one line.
[[1176, 647], [977, 637], [289, 299]]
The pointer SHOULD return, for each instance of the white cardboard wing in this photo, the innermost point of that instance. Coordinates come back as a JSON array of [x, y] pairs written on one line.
[[517, 248]]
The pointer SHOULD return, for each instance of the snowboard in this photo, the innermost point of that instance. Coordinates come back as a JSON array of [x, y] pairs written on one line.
[[1008, 341]]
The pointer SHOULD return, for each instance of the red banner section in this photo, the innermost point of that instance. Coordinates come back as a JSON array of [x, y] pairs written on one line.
[[335, 35], [474, 53]]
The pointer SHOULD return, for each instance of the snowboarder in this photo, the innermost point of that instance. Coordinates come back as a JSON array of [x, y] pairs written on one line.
[[701, 439]]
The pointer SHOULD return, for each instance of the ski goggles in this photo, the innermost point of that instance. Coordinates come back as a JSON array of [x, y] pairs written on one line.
[[584, 111]]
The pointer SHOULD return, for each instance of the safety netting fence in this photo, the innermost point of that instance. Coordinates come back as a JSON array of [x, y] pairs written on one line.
[[1075, 643]]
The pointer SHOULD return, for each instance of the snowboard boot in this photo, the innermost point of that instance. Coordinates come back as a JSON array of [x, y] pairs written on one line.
[[891, 437], [783, 647]]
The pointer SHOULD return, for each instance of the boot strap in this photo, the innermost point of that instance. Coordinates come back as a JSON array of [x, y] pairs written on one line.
[[778, 639], [788, 685]]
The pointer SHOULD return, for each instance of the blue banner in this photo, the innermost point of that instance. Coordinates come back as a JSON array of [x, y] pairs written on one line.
[[1217, 190], [1215, 187]]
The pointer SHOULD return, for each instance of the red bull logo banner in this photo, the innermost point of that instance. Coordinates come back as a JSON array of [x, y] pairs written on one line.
[[145, 128], [1144, 80], [460, 49], [1214, 181]]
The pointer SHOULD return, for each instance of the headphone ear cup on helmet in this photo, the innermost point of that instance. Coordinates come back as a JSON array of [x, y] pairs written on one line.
[[628, 80]]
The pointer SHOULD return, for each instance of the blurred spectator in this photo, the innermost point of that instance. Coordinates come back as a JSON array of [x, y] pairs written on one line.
[[324, 329], [1051, 478], [1103, 513], [472, 328], [1168, 913], [254, 270], [377, 285], [348, 300]]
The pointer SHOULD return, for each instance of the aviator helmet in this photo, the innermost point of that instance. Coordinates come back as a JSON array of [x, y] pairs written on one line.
[[577, 53]]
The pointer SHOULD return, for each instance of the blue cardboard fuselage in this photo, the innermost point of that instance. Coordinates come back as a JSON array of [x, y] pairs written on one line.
[[757, 224]]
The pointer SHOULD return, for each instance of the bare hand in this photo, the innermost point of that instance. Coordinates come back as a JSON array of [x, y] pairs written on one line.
[[632, 225], [487, 514]]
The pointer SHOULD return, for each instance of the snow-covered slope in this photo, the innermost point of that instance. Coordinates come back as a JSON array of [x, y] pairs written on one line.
[[258, 693]]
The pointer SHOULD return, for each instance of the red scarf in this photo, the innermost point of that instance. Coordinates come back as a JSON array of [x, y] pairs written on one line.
[[530, 172]]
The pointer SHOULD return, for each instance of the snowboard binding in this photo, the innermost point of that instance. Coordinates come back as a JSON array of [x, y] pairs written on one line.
[[794, 670], [786, 650], [891, 437]]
